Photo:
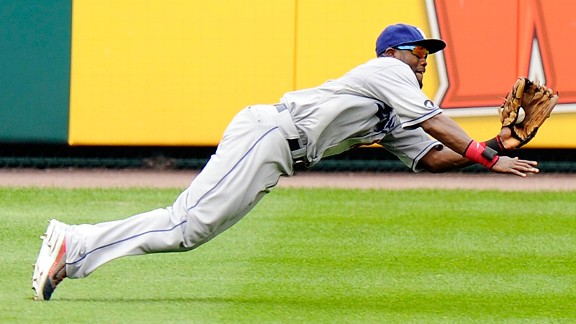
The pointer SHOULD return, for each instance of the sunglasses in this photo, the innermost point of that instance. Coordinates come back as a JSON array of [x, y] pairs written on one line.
[[417, 50]]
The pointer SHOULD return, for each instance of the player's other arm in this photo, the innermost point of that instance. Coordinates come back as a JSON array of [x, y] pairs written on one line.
[[457, 142]]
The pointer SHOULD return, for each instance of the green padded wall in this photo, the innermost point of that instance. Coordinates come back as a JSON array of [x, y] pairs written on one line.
[[34, 70]]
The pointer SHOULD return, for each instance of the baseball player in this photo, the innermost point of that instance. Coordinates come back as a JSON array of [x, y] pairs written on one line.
[[380, 101]]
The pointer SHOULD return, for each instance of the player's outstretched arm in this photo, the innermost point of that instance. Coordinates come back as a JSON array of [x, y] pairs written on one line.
[[442, 160], [444, 129], [445, 159], [457, 142]]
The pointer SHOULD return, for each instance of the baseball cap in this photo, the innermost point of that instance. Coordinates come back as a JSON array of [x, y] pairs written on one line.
[[402, 34]]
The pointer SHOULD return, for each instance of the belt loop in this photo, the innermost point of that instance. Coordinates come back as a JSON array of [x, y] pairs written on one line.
[[280, 107]]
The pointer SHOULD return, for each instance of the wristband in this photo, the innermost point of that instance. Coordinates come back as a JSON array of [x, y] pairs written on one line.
[[495, 144], [481, 154]]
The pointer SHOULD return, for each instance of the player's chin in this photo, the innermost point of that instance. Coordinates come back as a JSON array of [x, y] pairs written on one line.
[[420, 78]]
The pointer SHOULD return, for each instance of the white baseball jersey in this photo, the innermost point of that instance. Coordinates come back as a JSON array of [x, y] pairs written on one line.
[[375, 102], [379, 101]]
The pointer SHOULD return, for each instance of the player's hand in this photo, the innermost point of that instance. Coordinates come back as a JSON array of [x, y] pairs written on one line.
[[508, 141], [515, 166]]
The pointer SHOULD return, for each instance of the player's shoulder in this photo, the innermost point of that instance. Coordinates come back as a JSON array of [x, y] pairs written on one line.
[[385, 63], [387, 66], [380, 71]]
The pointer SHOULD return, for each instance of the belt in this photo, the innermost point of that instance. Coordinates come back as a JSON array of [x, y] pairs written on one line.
[[293, 137]]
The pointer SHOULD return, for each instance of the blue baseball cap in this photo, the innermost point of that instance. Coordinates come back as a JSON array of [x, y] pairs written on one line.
[[402, 34]]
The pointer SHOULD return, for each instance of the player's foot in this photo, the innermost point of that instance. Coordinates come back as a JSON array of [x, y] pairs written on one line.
[[50, 266]]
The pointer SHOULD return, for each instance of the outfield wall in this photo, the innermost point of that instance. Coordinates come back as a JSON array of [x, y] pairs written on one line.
[[34, 70], [174, 72]]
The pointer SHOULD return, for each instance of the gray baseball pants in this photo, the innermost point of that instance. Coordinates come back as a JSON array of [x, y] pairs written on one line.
[[249, 161]]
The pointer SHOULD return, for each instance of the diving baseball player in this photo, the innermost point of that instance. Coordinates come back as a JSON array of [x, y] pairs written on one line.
[[379, 101]]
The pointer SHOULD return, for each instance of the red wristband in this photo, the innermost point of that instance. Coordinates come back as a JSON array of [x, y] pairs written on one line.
[[481, 154]]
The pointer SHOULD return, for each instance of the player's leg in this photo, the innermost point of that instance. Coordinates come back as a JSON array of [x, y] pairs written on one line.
[[249, 161], [233, 195]]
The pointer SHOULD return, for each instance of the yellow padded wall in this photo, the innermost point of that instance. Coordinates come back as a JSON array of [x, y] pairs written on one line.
[[174, 72], [155, 72]]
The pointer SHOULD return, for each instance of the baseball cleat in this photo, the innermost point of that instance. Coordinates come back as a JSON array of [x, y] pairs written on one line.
[[50, 266]]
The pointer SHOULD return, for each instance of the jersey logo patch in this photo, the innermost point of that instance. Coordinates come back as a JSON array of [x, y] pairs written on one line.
[[429, 104], [386, 123]]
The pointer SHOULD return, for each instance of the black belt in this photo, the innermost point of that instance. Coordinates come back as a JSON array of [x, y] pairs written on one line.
[[293, 143]]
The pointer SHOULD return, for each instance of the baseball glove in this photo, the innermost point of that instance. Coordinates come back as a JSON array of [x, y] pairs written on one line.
[[537, 102]]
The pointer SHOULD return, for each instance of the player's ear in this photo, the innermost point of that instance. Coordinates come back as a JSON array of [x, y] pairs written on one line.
[[389, 52]]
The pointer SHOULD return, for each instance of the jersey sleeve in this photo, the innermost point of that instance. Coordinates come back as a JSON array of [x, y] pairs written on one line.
[[409, 145], [396, 85]]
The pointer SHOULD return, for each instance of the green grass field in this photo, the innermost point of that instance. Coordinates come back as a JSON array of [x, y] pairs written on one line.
[[313, 256]]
